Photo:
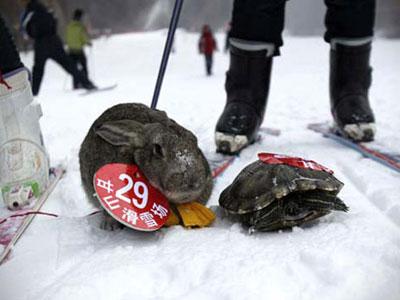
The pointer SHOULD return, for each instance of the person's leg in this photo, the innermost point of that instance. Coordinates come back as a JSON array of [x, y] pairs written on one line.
[[40, 57], [349, 19], [75, 58], [259, 21], [350, 26], [255, 38], [208, 59], [83, 62], [210, 63], [60, 56], [9, 57]]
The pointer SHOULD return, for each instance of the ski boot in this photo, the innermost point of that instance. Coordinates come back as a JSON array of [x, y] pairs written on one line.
[[350, 79], [24, 164], [247, 87], [88, 85]]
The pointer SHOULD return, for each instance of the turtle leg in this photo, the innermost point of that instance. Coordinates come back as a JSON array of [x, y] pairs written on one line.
[[293, 210], [281, 214], [267, 219], [321, 201], [275, 216], [300, 208]]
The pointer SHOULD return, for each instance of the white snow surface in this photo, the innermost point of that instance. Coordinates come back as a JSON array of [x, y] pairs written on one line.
[[342, 256]]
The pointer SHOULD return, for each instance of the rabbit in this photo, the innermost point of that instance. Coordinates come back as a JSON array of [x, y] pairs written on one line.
[[166, 153]]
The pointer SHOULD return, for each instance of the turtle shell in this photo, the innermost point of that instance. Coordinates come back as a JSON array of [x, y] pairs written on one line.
[[260, 184]]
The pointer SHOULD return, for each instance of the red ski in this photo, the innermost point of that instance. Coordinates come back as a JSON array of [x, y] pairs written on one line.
[[14, 223], [387, 158]]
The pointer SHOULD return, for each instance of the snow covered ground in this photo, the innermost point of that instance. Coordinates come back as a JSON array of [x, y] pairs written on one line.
[[344, 256]]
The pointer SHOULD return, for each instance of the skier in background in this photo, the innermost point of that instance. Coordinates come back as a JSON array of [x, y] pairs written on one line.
[[207, 46], [20, 133], [41, 26], [77, 38], [255, 39]]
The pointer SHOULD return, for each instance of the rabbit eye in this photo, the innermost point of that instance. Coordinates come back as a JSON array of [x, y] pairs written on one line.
[[157, 150]]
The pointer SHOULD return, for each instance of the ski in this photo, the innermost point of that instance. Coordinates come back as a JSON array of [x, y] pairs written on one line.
[[387, 158], [219, 163], [14, 223], [270, 131], [100, 89]]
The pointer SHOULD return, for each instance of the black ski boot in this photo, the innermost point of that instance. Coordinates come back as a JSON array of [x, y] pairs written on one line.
[[82, 79], [350, 79], [247, 87], [88, 85]]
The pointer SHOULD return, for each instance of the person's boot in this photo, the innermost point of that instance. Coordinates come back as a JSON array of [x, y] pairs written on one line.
[[350, 79], [88, 85], [81, 78], [247, 87], [85, 83]]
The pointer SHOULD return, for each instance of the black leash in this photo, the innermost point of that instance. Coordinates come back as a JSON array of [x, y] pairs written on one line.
[[167, 50]]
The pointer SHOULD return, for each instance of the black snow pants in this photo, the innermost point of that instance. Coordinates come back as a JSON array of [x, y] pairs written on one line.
[[9, 57], [52, 47], [209, 63], [263, 20], [79, 59]]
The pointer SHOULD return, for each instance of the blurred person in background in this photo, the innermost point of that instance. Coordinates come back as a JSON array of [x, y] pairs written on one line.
[[207, 46], [41, 26], [77, 38], [255, 39]]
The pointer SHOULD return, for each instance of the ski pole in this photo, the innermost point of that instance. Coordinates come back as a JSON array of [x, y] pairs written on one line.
[[167, 50]]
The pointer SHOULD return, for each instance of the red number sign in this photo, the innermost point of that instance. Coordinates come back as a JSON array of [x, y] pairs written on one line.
[[278, 159], [128, 197]]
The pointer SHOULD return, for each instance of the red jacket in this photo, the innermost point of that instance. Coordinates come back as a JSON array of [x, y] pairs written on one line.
[[207, 43]]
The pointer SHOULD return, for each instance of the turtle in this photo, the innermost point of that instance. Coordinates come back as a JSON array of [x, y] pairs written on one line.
[[267, 197]]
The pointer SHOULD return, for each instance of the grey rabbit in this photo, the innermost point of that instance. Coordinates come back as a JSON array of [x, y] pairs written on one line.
[[166, 153]]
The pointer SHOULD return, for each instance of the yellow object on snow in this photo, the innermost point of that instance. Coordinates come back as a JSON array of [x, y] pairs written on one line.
[[194, 214], [173, 219]]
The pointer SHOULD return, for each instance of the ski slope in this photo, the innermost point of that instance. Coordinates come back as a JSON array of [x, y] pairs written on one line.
[[343, 256]]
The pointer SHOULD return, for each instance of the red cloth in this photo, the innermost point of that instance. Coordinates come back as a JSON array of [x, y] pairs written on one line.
[[207, 44]]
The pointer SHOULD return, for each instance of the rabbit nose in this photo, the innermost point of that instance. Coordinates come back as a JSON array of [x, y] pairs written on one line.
[[181, 180], [174, 180]]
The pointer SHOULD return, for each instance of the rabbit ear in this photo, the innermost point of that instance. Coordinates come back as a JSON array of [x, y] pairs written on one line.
[[122, 133]]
